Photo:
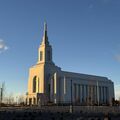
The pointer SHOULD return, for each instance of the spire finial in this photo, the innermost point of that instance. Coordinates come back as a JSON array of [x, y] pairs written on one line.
[[45, 38], [45, 29], [45, 26]]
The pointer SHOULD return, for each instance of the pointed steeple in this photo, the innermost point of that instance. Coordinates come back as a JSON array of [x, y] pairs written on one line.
[[45, 37], [45, 49]]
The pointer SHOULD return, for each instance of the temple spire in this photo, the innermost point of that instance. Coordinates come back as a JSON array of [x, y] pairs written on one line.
[[45, 37], [45, 49], [45, 28]]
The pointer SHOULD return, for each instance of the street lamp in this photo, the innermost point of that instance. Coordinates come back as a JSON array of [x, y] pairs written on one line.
[[71, 106]]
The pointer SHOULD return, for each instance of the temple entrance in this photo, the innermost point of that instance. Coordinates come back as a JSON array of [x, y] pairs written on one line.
[[42, 99], [30, 101], [34, 101]]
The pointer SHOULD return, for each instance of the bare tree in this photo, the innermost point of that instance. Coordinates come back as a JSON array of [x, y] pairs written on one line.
[[119, 100], [21, 99], [2, 92], [10, 99]]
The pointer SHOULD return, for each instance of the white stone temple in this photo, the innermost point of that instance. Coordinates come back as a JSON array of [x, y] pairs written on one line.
[[48, 83]]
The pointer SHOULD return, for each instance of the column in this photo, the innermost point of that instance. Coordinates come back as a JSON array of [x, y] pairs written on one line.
[[64, 89], [52, 89], [64, 85], [55, 88], [37, 85]]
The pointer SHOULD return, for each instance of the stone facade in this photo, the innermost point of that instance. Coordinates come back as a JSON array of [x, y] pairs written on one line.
[[48, 83]]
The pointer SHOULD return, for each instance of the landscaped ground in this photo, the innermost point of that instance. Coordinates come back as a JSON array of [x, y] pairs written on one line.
[[60, 113]]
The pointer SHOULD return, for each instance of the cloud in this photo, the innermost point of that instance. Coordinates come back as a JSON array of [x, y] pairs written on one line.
[[106, 1], [90, 6], [94, 3], [3, 46], [117, 57]]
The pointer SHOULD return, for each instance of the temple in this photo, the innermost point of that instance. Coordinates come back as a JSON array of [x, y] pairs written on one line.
[[48, 83]]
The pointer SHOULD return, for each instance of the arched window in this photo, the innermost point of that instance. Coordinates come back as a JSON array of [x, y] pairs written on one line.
[[34, 84], [38, 84]]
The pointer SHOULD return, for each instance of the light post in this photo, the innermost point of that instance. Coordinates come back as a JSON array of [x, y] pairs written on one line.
[[71, 105]]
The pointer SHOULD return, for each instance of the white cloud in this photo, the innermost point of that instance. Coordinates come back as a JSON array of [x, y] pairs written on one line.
[[3, 46]]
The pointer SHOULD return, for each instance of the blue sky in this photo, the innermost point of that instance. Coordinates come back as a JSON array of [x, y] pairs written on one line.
[[84, 34]]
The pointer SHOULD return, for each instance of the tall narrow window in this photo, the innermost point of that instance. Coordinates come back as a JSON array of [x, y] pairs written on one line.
[[49, 91], [34, 84], [41, 55], [82, 93], [75, 91], [38, 85], [48, 52]]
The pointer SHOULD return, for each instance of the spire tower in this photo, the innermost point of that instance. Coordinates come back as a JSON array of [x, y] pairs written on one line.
[[45, 49]]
